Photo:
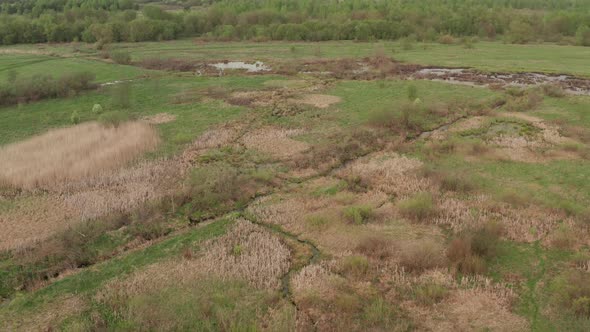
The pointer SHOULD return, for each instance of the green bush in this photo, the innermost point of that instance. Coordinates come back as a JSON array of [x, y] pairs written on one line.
[[97, 109], [121, 57], [358, 214], [75, 117], [418, 207], [38, 87], [412, 92]]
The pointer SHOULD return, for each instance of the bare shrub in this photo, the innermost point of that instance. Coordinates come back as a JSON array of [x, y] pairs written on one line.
[[73, 153], [446, 39], [341, 147], [375, 246], [421, 255], [553, 90], [468, 251], [450, 181]]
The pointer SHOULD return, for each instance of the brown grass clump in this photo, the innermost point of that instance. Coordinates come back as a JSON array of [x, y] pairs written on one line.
[[74, 153], [421, 255]]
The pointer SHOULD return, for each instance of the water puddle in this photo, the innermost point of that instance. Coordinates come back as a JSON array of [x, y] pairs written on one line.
[[464, 76], [255, 67]]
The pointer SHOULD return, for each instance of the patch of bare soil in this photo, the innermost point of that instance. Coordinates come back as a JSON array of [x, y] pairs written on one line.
[[319, 100], [275, 141], [159, 118]]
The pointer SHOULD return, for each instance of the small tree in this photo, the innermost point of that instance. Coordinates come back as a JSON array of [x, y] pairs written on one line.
[[12, 76], [122, 95], [583, 35], [75, 117], [412, 92], [97, 109]]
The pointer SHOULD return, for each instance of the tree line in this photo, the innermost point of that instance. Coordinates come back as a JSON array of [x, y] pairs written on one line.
[[107, 21]]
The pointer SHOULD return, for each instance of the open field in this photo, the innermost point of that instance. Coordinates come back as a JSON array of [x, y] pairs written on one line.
[[342, 194], [27, 65], [487, 56]]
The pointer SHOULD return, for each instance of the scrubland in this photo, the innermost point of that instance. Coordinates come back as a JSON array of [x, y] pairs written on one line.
[[331, 193]]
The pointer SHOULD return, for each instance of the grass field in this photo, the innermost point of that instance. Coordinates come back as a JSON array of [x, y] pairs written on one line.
[[302, 201], [488, 56], [29, 65]]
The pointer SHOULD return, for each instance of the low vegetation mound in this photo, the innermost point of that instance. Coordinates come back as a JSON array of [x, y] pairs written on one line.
[[20, 90], [73, 153]]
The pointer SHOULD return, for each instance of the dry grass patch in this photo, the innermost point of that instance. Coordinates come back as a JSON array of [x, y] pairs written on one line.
[[527, 223], [34, 219], [468, 310], [318, 100], [159, 118], [74, 153], [389, 173], [48, 317], [275, 141]]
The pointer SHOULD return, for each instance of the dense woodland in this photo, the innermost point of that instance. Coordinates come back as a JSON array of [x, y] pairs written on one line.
[[106, 21]]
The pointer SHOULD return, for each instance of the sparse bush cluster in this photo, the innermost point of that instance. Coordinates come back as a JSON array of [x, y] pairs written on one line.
[[342, 147], [571, 291], [358, 215], [524, 100], [219, 187], [168, 64], [468, 251], [121, 57], [30, 89]]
